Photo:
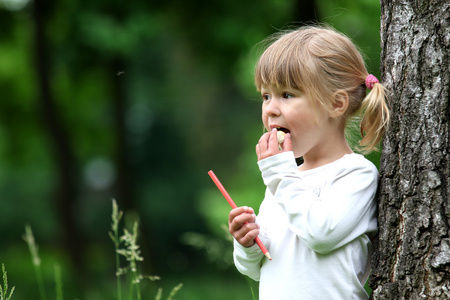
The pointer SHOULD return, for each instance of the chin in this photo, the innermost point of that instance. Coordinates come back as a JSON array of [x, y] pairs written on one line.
[[298, 153]]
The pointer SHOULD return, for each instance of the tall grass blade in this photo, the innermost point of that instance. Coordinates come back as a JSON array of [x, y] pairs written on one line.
[[174, 291], [251, 285], [58, 283], [158, 294], [116, 216], [36, 260], [131, 252], [253, 293]]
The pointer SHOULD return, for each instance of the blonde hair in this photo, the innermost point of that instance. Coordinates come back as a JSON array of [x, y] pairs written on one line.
[[319, 61]]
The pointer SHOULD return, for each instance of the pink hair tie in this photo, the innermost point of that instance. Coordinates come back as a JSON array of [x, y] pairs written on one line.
[[370, 81]]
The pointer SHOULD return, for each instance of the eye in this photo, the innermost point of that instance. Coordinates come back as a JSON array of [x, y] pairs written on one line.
[[287, 95], [265, 97]]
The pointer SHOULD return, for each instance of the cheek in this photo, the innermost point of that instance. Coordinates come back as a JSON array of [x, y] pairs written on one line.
[[265, 120]]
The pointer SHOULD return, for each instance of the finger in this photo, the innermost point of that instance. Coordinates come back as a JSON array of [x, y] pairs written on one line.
[[239, 221], [287, 144], [264, 142], [273, 142], [245, 218], [248, 240], [273, 135], [245, 229], [258, 152], [239, 211], [268, 145]]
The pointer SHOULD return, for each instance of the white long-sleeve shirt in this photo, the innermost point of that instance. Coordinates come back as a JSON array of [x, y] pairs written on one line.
[[316, 225]]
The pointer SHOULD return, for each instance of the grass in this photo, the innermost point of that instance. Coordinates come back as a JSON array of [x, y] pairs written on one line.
[[58, 283], [128, 277], [35, 260], [116, 217], [4, 289], [206, 281], [127, 282], [132, 253]]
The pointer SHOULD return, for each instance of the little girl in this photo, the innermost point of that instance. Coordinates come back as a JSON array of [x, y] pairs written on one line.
[[317, 219]]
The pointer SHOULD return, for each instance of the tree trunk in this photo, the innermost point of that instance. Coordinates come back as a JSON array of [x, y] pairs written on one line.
[[412, 252], [66, 191], [306, 12]]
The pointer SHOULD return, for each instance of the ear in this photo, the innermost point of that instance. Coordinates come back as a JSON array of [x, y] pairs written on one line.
[[340, 104]]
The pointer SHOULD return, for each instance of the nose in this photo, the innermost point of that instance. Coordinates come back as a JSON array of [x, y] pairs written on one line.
[[271, 108]]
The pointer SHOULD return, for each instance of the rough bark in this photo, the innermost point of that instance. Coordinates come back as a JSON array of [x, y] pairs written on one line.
[[412, 252]]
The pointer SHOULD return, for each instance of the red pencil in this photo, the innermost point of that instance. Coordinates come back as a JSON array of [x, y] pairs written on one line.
[[233, 205]]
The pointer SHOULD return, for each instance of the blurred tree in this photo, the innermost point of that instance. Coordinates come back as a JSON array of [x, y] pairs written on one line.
[[306, 12], [104, 38], [412, 257], [67, 172]]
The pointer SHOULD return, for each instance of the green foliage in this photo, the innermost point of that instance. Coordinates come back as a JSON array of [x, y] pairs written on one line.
[[152, 95], [360, 20], [218, 250]]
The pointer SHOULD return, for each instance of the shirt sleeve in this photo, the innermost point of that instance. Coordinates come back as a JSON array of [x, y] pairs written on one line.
[[344, 209], [248, 260]]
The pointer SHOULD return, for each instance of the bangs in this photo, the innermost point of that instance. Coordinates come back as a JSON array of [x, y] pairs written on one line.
[[316, 61], [279, 67], [287, 62]]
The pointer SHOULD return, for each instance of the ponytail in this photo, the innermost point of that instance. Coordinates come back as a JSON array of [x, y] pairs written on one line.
[[375, 117]]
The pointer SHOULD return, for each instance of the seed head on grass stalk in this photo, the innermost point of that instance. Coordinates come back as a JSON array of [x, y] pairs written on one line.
[[4, 290], [132, 254], [174, 291], [32, 246], [114, 234], [36, 260]]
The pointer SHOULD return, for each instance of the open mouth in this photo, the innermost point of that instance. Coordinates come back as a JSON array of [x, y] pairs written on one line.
[[281, 134], [285, 130]]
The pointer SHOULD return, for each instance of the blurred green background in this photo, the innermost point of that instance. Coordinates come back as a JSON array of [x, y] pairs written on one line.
[[137, 101]]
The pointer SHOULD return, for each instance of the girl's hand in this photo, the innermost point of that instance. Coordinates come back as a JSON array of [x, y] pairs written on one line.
[[268, 145], [242, 226]]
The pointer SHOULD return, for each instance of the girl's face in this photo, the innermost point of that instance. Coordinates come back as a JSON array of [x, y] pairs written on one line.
[[291, 111]]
